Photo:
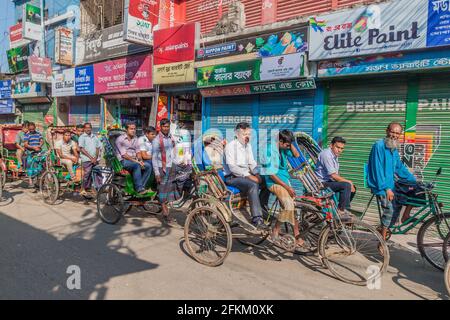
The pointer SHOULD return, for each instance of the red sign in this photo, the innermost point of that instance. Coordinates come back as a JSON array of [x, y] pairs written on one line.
[[225, 91], [269, 11], [15, 34], [125, 74], [175, 44], [40, 69], [145, 9], [162, 111]]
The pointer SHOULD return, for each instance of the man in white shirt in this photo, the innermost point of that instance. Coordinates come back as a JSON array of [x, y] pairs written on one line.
[[241, 171], [146, 144]]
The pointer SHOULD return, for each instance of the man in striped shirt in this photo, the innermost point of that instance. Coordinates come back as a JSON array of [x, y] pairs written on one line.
[[33, 140]]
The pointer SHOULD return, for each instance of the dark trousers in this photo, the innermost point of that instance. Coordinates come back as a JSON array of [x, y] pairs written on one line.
[[87, 176], [140, 175], [249, 189], [344, 189]]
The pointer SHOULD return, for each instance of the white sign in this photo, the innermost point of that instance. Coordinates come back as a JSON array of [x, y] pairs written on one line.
[[283, 67], [141, 17], [63, 84], [64, 46], [31, 19], [386, 27]]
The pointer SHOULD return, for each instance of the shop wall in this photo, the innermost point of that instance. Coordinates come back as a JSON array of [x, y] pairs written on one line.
[[360, 110], [208, 12], [85, 109]]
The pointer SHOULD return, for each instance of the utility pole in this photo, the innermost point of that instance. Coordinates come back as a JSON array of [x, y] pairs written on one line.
[[42, 47]]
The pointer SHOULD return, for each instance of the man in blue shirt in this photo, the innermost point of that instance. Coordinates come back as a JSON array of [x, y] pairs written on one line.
[[383, 167], [327, 170], [33, 140]]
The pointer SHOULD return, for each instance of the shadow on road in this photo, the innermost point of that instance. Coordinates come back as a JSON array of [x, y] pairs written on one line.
[[33, 263]]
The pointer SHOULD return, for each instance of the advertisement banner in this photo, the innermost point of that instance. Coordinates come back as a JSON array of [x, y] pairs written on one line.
[[84, 80], [141, 17], [18, 59], [283, 67], [15, 36], [387, 27], [40, 69], [220, 75], [175, 44], [394, 62], [105, 44], [5, 89], [64, 46], [23, 87], [267, 45], [304, 84], [125, 74], [178, 72], [7, 106], [162, 111], [63, 84], [32, 18]]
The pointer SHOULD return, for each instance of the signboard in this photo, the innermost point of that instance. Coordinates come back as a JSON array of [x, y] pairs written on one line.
[[5, 89], [174, 54], [23, 87], [266, 69], [386, 27], [220, 75], [141, 17], [63, 84], [18, 59], [84, 80], [40, 69], [105, 44], [7, 106], [64, 46], [304, 84], [268, 45], [32, 19], [162, 110], [394, 62], [175, 44], [125, 74], [283, 67], [178, 72], [15, 36]]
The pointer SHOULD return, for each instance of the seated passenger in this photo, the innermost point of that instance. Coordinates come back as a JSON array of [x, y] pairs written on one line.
[[129, 155], [277, 181], [20, 141], [145, 145], [214, 148], [241, 171], [67, 152]]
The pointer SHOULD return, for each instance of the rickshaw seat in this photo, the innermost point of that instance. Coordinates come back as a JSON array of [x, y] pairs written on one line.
[[234, 190]]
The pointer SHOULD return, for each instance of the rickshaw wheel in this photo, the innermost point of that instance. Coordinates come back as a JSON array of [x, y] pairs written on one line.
[[49, 187], [208, 236], [110, 204]]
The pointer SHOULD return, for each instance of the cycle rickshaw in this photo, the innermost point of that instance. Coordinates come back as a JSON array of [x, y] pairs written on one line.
[[348, 249], [33, 164], [446, 254], [435, 227], [56, 179], [118, 195]]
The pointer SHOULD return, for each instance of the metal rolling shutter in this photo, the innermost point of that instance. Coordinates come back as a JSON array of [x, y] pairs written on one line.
[[293, 111], [432, 148], [359, 111], [36, 113], [226, 112]]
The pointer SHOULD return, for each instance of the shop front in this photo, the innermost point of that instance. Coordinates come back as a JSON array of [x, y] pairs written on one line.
[[7, 105], [126, 90], [33, 102], [365, 94]]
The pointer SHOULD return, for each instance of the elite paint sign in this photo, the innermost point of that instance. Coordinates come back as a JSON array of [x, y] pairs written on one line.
[[387, 27], [141, 18]]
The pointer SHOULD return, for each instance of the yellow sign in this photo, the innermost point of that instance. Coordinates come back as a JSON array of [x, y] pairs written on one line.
[[178, 72]]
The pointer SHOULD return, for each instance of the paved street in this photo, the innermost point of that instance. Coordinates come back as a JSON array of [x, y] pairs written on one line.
[[140, 259]]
